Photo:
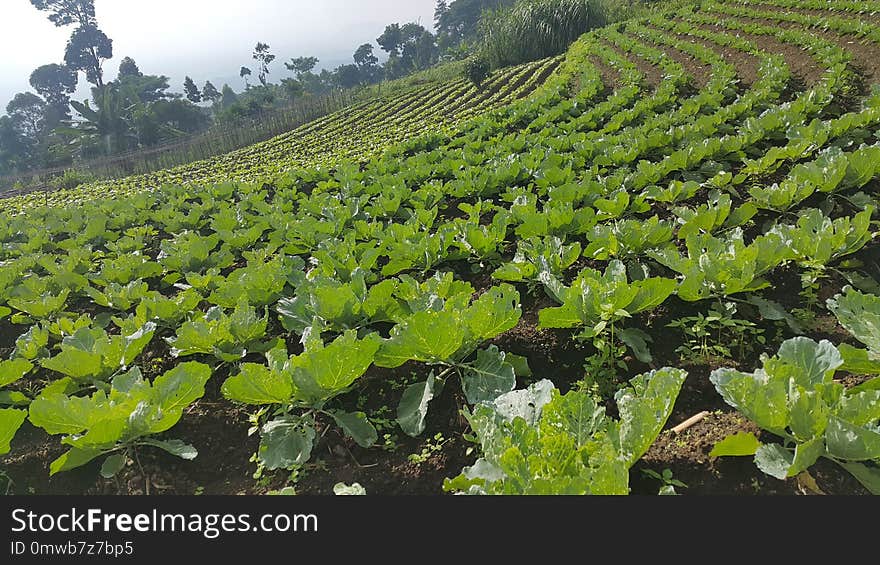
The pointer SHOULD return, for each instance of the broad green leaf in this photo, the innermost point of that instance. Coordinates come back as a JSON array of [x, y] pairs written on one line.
[[175, 447], [526, 404], [425, 336], [10, 421], [861, 408], [761, 398], [12, 370], [285, 442], [257, 384], [493, 313], [32, 343], [859, 361], [816, 362], [575, 414], [357, 427], [112, 465], [868, 476], [566, 316], [740, 443], [520, 365], [645, 407], [107, 427], [637, 340], [295, 314], [413, 407], [847, 441], [75, 363], [488, 377], [136, 342], [651, 293], [805, 454], [325, 372], [182, 385], [73, 458], [808, 414], [59, 414], [774, 460], [13, 398], [860, 314]]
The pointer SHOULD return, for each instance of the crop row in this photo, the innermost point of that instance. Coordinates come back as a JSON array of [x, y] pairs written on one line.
[[293, 286]]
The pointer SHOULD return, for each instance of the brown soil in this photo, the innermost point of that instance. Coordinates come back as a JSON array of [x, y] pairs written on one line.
[[866, 54], [687, 456], [697, 69], [653, 74], [746, 64], [799, 61], [610, 76], [819, 12]]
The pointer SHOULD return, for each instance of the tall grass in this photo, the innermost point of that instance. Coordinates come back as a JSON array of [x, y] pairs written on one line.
[[535, 29]]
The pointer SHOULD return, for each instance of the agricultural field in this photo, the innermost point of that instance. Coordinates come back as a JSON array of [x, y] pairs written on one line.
[[516, 290], [358, 132]]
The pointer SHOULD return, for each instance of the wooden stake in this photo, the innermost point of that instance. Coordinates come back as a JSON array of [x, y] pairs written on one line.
[[689, 422]]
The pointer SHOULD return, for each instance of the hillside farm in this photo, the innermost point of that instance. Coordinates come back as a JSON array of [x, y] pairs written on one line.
[[650, 264]]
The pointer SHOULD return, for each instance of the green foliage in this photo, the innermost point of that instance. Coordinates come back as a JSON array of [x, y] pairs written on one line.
[[718, 334], [10, 420], [535, 29], [228, 337], [301, 386], [795, 397], [597, 300], [717, 267], [117, 421], [476, 70], [860, 314], [566, 444], [90, 354]]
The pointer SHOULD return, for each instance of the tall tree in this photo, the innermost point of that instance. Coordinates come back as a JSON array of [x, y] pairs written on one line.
[[391, 39], [210, 93], [14, 150], [367, 63], [264, 58], [128, 68], [459, 20], [55, 83], [66, 12], [244, 73], [87, 50], [193, 94], [27, 111], [347, 76], [410, 46], [228, 96], [301, 65]]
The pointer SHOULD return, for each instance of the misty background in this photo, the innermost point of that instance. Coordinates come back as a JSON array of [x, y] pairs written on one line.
[[205, 39]]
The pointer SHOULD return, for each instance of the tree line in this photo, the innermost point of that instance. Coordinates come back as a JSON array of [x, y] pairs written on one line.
[[46, 128]]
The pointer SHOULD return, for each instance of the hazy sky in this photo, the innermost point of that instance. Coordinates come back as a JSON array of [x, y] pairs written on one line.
[[205, 39]]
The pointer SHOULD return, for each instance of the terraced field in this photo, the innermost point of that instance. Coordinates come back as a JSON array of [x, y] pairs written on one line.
[[358, 133], [679, 222]]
